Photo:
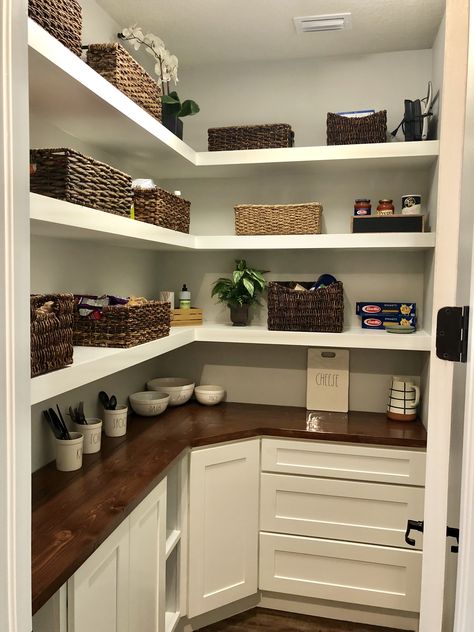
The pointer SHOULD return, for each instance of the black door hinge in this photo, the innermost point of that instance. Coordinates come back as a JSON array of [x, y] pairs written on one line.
[[452, 333]]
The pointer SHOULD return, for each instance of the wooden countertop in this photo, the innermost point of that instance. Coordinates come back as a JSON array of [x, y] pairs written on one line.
[[74, 512]]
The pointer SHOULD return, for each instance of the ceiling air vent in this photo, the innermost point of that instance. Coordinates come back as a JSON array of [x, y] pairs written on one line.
[[316, 23]]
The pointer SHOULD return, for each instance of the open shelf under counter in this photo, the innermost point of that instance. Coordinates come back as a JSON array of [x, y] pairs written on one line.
[[353, 338], [83, 104], [172, 539], [94, 363], [171, 621], [55, 218]]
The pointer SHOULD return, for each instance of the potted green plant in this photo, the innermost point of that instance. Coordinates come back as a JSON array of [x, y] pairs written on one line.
[[166, 67], [240, 291]]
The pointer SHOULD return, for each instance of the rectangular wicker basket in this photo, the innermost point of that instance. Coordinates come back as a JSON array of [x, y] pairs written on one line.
[[278, 219], [67, 175], [250, 137], [161, 208], [60, 18], [297, 310], [123, 326], [344, 130], [116, 65], [51, 333]]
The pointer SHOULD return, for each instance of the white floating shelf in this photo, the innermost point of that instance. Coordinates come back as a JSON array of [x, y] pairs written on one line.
[[83, 104], [172, 539], [55, 218], [355, 338], [94, 363]]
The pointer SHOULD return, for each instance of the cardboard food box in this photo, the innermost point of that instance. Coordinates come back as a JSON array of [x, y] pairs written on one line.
[[382, 315], [328, 380]]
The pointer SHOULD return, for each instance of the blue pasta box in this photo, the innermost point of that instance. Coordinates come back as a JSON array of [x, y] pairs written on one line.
[[382, 315]]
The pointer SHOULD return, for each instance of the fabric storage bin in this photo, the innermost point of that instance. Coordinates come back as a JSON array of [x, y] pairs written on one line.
[[278, 219], [51, 332], [122, 326], [344, 130], [297, 310], [250, 137], [116, 65], [161, 208], [67, 175], [60, 18]]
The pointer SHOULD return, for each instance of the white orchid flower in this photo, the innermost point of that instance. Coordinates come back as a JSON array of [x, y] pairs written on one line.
[[127, 32], [158, 69]]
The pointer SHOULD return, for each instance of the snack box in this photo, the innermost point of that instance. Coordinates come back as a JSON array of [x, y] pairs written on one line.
[[383, 315]]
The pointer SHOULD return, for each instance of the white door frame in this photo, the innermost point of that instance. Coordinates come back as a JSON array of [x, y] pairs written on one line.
[[15, 430]]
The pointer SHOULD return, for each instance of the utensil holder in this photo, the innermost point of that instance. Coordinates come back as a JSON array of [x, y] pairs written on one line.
[[69, 452], [115, 421], [92, 432]]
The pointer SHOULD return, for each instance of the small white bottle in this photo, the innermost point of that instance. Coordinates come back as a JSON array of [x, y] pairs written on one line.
[[185, 298]]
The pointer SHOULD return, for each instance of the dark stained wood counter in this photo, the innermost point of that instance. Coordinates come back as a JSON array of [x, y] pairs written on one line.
[[74, 512]]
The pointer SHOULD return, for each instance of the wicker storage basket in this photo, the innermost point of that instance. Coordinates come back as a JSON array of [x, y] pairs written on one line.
[[68, 175], [296, 310], [161, 208], [123, 325], [60, 18], [344, 130], [51, 333], [250, 137], [116, 65], [278, 219]]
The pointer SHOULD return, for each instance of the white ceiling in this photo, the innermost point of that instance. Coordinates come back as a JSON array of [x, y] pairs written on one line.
[[212, 31]]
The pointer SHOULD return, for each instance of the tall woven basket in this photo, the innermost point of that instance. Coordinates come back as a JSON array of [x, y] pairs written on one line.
[[68, 175], [60, 18], [278, 219], [344, 130], [123, 326], [116, 65], [250, 137], [298, 310], [161, 208], [51, 333]]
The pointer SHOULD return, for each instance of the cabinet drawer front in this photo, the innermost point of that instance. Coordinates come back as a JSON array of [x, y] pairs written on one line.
[[406, 467], [344, 510], [341, 571]]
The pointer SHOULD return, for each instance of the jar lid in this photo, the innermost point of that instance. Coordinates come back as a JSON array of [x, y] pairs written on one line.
[[386, 201], [362, 200]]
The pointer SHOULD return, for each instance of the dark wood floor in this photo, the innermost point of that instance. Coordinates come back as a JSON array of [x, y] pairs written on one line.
[[264, 620]]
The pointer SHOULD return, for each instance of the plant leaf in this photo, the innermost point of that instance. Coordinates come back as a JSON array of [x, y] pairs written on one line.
[[237, 275], [170, 100], [248, 286], [188, 108]]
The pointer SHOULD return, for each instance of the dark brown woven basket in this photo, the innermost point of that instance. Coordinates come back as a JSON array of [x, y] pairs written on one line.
[[297, 310], [123, 326], [67, 175], [60, 18], [161, 208], [116, 65], [51, 334], [250, 137], [344, 130], [278, 219]]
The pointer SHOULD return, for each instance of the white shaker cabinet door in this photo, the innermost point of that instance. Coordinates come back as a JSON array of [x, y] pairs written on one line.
[[147, 562], [223, 523], [98, 592]]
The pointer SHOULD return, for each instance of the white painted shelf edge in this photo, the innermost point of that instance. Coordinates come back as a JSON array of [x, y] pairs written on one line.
[[171, 620], [92, 363], [70, 64], [172, 539], [56, 218]]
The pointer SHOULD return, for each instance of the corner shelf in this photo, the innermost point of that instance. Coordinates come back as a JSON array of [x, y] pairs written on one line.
[[171, 620], [86, 106], [55, 218], [172, 539]]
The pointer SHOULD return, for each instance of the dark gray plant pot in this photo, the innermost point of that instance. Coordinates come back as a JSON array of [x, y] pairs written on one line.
[[239, 315], [172, 122]]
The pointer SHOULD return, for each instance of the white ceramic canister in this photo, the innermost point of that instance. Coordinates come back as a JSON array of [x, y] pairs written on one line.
[[69, 452], [92, 432], [115, 421]]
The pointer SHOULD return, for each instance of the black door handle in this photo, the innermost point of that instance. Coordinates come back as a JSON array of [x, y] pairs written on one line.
[[416, 525], [452, 532]]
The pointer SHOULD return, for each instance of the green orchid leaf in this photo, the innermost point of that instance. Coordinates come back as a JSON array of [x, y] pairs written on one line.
[[170, 100], [188, 108]]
